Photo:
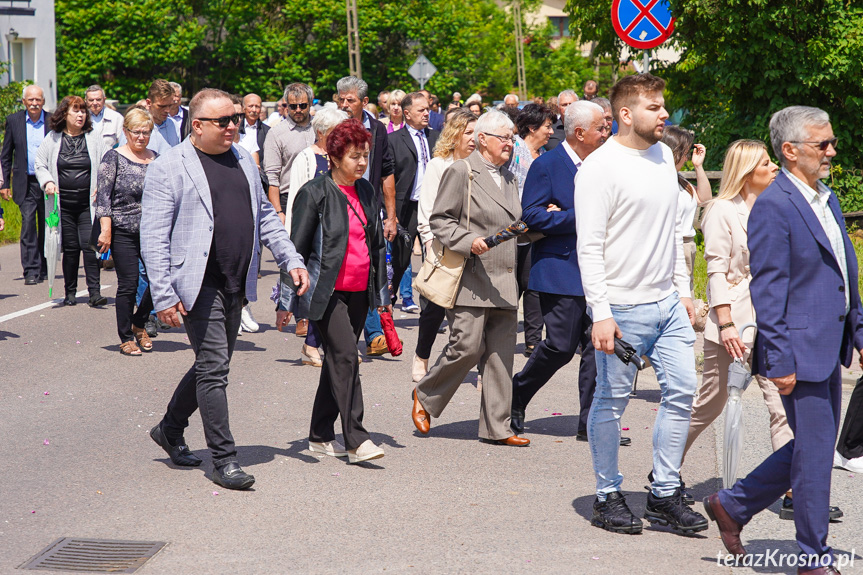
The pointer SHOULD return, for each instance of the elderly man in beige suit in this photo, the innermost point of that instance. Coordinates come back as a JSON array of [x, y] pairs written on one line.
[[483, 320]]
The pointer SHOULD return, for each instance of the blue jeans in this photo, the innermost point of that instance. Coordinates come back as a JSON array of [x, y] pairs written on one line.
[[143, 282], [373, 328], [406, 290], [662, 332]]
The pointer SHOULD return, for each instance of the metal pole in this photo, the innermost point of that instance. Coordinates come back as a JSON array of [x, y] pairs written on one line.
[[519, 50], [646, 69], [353, 40]]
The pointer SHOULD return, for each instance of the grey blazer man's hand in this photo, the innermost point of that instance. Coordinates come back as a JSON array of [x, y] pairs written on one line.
[[301, 279]]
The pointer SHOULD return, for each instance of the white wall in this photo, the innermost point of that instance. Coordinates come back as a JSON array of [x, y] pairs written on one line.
[[36, 47]]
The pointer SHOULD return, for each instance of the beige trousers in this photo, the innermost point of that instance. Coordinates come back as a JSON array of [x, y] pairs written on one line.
[[713, 394], [478, 335]]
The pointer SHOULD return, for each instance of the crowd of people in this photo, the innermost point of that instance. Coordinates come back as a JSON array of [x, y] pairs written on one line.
[[185, 198]]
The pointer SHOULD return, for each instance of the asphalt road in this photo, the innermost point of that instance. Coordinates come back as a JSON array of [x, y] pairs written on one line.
[[74, 415]]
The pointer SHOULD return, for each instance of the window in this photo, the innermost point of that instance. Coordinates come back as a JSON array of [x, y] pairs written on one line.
[[560, 26], [23, 60]]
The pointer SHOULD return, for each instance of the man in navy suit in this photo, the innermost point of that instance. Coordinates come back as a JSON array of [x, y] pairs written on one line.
[[547, 207], [24, 132], [804, 289]]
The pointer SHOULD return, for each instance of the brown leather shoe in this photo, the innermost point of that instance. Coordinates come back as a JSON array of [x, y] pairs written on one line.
[[514, 441], [729, 529], [420, 416], [302, 328]]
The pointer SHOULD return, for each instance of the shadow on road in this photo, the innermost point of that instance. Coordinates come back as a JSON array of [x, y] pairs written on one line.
[[556, 425], [4, 335], [456, 430]]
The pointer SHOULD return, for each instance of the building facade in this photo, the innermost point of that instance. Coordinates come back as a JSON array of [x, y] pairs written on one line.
[[29, 45]]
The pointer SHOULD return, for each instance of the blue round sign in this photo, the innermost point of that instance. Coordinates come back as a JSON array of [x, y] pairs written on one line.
[[642, 24]]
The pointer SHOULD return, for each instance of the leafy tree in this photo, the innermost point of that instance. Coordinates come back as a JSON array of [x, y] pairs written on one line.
[[742, 60]]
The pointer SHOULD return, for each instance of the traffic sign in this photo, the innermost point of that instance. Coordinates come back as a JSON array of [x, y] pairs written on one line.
[[421, 70], [642, 24]]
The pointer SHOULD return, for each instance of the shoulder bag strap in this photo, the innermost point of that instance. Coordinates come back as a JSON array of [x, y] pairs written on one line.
[[469, 191]]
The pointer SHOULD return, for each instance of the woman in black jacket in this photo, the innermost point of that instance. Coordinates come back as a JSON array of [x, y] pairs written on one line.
[[337, 230]]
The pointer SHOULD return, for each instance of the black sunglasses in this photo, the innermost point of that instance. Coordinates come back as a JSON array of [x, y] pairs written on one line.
[[823, 144], [223, 121], [302, 106]]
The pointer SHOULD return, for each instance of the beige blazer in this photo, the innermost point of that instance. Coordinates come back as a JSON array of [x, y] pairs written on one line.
[[489, 279], [725, 248]]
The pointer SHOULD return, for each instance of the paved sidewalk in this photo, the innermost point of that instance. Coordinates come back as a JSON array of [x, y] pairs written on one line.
[[74, 414]]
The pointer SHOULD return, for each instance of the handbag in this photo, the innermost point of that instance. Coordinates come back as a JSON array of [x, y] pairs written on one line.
[[440, 275]]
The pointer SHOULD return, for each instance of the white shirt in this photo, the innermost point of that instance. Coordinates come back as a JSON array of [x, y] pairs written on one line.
[[817, 200], [421, 144], [571, 153], [686, 205], [630, 245], [249, 140], [177, 122], [274, 119]]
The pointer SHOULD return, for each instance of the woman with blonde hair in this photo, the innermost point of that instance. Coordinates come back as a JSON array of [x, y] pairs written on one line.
[[747, 171], [118, 207], [456, 142], [396, 118]]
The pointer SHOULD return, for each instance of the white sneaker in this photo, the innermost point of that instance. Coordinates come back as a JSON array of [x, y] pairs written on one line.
[[854, 465], [247, 321], [365, 452], [332, 448]]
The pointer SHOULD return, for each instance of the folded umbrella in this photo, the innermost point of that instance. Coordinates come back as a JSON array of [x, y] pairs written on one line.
[[739, 378], [511, 231], [52, 239], [393, 342]]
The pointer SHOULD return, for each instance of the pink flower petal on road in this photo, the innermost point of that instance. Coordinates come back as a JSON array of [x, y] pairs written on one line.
[[33, 511], [625, 429], [595, 558], [215, 492], [78, 342], [556, 413], [46, 442], [336, 474], [45, 393]]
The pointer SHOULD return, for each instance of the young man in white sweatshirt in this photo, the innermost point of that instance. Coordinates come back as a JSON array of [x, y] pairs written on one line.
[[630, 251]]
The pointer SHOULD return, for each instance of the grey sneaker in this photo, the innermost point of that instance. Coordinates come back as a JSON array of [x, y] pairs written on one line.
[[150, 327]]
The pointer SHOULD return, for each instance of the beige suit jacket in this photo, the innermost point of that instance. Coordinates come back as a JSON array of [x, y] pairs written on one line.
[[725, 248], [489, 279]]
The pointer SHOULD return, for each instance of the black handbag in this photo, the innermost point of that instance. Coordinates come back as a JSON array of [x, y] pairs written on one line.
[[401, 247]]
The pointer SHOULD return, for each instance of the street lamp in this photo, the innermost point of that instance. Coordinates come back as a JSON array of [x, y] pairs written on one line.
[[11, 36]]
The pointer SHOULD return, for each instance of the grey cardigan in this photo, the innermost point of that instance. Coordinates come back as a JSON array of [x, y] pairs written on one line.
[[46, 164]]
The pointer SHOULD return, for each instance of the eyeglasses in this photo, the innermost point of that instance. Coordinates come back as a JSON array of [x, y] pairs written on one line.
[[302, 106], [283, 105], [223, 121], [823, 144], [503, 139], [140, 133]]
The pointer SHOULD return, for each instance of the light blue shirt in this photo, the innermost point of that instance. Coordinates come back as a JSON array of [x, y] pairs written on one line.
[[368, 126], [163, 138], [35, 135], [817, 200]]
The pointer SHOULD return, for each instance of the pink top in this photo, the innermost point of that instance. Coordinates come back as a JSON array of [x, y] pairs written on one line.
[[354, 273]]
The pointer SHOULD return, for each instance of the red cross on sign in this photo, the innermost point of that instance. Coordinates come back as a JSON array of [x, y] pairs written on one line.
[[642, 25]]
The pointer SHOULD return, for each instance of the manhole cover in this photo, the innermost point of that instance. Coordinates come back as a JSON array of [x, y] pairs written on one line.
[[94, 555]]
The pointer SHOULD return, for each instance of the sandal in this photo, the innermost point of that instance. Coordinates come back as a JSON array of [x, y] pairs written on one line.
[[144, 341], [129, 348]]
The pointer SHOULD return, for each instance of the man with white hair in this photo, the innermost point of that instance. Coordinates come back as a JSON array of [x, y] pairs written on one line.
[[810, 321], [24, 131], [548, 208], [564, 99], [179, 114], [510, 100], [106, 122]]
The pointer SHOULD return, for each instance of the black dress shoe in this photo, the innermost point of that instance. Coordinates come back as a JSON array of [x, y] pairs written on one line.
[[69, 299], [232, 476], [179, 454], [97, 300], [528, 349], [517, 420], [43, 277], [582, 436], [31, 281], [787, 511]]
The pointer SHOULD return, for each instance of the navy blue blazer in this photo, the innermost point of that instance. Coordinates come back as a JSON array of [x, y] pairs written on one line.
[[554, 265], [797, 288]]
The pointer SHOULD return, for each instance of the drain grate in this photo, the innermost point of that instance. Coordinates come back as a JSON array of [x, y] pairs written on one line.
[[94, 555]]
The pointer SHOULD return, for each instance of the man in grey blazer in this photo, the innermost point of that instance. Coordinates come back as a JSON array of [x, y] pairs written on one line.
[[204, 216]]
